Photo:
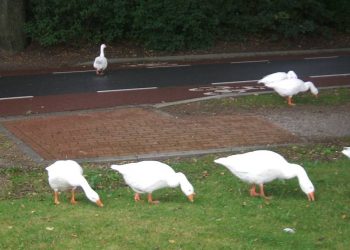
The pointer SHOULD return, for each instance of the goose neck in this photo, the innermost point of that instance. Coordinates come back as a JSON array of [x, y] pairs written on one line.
[[102, 52], [85, 185]]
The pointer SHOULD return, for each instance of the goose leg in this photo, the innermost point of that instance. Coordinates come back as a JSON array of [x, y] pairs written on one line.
[[150, 200], [99, 72], [56, 198], [253, 191], [72, 200], [290, 103], [137, 197], [262, 193]]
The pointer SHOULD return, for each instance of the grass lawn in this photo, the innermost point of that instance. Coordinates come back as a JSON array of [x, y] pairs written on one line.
[[327, 97], [223, 215]]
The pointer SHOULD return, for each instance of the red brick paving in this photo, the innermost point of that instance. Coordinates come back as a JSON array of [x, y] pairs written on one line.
[[140, 131]]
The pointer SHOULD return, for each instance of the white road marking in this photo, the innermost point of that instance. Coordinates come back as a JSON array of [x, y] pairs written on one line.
[[335, 75], [16, 97], [260, 61], [221, 83], [320, 57], [168, 66], [123, 90], [72, 72]]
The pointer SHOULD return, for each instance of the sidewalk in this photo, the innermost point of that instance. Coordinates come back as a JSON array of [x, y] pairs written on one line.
[[141, 133]]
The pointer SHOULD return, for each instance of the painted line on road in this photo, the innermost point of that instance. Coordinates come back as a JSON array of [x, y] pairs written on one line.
[[320, 57], [168, 66], [124, 90], [72, 72], [235, 82], [16, 97], [335, 75], [259, 61]]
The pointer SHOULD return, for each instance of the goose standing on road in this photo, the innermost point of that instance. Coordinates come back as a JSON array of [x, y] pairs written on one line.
[[263, 166], [68, 175], [148, 176], [100, 63]]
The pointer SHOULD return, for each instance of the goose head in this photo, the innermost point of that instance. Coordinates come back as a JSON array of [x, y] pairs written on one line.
[[94, 197], [312, 88], [186, 186], [304, 182], [308, 188]]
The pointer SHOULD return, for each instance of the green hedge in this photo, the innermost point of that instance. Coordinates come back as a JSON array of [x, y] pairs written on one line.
[[73, 21], [181, 24], [172, 25]]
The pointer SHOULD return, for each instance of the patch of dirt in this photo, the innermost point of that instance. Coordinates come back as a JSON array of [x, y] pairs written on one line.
[[12, 156]]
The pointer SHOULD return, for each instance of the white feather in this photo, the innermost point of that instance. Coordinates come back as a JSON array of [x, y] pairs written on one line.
[[291, 87], [68, 175], [278, 76], [100, 63], [263, 166], [148, 176], [346, 151]]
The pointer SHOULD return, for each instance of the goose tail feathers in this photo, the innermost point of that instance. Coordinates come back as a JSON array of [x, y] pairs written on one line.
[[116, 167]]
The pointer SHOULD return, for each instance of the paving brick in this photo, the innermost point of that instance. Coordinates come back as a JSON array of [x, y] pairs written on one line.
[[141, 131]]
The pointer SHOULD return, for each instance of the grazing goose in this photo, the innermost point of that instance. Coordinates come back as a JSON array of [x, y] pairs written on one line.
[[346, 151], [278, 76], [100, 63], [290, 87], [148, 176], [68, 175], [262, 166]]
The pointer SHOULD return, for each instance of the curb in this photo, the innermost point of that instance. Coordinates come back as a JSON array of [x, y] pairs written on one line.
[[221, 56]]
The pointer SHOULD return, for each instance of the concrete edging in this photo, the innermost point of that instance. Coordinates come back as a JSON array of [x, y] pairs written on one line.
[[219, 56]]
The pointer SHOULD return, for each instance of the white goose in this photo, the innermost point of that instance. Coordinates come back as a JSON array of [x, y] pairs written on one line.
[[68, 175], [346, 151], [290, 87], [148, 176], [100, 63], [262, 166], [278, 76]]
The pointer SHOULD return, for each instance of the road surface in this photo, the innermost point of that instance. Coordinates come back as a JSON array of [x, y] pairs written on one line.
[[154, 83]]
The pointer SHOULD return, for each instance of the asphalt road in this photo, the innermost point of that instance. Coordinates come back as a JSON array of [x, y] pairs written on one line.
[[149, 80]]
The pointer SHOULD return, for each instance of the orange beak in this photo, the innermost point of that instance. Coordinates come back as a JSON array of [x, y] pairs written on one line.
[[311, 196], [191, 197], [99, 203]]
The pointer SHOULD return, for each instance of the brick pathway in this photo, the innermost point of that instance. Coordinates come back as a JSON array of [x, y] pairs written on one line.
[[140, 131]]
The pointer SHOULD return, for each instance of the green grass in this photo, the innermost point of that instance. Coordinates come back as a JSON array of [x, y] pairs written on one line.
[[223, 215], [263, 101], [337, 96]]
